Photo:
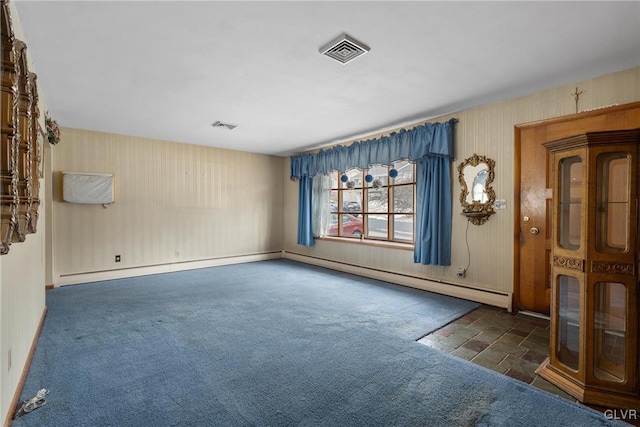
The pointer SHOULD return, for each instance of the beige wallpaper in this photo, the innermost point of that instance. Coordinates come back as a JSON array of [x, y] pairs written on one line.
[[22, 281], [489, 131], [178, 202], [174, 203]]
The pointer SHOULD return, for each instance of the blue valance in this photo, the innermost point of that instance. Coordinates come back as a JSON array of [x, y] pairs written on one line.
[[430, 139]]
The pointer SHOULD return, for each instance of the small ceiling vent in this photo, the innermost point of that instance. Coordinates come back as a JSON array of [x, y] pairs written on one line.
[[344, 49], [223, 125]]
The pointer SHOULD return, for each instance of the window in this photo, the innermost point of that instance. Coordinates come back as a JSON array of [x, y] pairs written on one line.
[[425, 226], [374, 204]]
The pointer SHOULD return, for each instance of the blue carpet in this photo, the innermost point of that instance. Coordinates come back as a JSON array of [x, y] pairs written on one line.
[[274, 343]]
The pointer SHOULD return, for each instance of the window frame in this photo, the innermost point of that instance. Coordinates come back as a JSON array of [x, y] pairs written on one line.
[[391, 185]]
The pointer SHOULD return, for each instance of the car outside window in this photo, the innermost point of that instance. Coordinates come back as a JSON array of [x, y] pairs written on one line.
[[374, 204]]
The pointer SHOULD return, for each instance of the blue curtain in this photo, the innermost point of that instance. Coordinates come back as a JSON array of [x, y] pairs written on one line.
[[305, 211], [430, 146], [433, 212]]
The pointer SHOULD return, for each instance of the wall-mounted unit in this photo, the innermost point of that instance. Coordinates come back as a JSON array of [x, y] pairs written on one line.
[[88, 188]]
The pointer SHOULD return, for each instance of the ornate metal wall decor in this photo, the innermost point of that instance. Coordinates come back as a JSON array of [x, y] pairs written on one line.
[[19, 150]]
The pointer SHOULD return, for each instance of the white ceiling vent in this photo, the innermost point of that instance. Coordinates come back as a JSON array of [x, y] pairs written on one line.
[[344, 48], [219, 124]]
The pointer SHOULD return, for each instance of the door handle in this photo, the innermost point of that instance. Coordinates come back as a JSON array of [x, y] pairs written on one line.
[[534, 230]]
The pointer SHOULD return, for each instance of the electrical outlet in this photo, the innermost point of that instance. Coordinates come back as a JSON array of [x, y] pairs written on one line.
[[177, 254], [117, 258], [461, 272]]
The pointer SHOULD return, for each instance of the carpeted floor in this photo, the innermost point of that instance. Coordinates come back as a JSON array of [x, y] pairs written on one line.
[[274, 343]]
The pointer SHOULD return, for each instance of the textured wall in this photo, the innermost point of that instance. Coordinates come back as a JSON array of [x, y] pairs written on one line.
[[489, 131], [208, 203], [174, 203], [22, 281]]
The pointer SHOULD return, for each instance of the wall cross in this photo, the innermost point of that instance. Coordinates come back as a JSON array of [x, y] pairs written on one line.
[[576, 96]]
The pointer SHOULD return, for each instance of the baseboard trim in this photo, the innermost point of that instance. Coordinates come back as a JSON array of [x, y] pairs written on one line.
[[98, 276], [25, 371], [494, 298], [534, 314]]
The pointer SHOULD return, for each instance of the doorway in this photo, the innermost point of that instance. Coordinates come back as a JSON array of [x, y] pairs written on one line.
[[534, 196]]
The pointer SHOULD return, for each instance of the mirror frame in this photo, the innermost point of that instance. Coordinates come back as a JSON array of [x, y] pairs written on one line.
[[476, 212]]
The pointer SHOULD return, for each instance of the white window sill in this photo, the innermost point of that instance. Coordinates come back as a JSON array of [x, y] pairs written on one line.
[[369, 242]]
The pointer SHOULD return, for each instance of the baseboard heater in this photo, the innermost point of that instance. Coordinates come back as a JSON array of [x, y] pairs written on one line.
[[497, 299], [98, 276]]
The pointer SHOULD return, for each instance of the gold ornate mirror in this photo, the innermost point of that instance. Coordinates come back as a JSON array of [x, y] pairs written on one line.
[[477, 197]]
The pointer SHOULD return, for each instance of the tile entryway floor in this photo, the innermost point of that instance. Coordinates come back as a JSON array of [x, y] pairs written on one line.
[[513, 345]]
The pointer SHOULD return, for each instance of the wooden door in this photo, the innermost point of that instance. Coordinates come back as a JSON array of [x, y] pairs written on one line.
[[534, 196]]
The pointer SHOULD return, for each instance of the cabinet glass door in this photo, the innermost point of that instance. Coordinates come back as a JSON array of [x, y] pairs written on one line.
[[610, 331], [568, 333], [570, 199], [612, 213]]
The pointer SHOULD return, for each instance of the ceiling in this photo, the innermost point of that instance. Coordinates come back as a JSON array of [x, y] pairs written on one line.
[[168, 70]]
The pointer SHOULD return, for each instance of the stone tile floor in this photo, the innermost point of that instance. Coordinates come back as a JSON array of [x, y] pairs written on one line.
[[513, 345]]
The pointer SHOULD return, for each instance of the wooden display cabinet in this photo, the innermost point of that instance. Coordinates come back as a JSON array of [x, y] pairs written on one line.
[[594, 269]]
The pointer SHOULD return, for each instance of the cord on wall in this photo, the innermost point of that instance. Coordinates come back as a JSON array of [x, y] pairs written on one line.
[[466, 239], [462, 271]]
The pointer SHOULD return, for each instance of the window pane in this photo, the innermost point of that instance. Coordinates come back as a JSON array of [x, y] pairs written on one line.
[[334, 180], [332, 230], [403, 227], [380, 176], [403, 199], [378, 200], [405, 172], [333, 200], [354, 176], [377, 226], [351, 226], [352, 201]]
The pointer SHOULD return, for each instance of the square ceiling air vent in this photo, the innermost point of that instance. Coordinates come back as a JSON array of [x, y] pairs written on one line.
[[344, 48]]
